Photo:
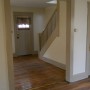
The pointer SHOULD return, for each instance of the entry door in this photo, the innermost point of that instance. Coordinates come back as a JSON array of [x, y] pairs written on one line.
[[23, 33]]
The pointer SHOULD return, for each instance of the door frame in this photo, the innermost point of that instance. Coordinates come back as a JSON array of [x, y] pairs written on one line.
[[15, 14], [88, 47]]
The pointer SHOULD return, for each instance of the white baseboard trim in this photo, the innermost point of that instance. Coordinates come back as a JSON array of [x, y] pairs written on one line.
[[78, 77], [34, 53], [57, 64]]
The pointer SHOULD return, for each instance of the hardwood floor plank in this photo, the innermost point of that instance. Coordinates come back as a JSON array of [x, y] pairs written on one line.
[[32, 73]]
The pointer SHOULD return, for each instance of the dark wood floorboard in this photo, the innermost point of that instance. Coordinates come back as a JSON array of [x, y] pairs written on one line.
[[32, 73]]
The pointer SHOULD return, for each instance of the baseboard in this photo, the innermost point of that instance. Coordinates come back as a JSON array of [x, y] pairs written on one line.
[[78, 77], [34, 53], [60, 65]]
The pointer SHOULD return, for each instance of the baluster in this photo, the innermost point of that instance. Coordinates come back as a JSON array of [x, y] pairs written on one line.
[[44, 36]]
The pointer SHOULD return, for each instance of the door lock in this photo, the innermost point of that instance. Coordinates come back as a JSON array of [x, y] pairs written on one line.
[[17, 36]]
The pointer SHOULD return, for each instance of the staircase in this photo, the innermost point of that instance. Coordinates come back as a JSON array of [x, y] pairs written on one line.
[[49, 34], [53, 39]]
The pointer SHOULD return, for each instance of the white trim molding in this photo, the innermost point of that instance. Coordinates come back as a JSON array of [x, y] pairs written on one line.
[[53, 62]]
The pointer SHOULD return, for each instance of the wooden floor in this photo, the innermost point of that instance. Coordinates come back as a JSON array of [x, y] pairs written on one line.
[[32, 73]]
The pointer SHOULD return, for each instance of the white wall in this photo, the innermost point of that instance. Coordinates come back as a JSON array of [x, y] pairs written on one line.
[[6, 65], [57, 50], [38, 28], [48, 13], [80, 36], [3, 60], [38, 22]]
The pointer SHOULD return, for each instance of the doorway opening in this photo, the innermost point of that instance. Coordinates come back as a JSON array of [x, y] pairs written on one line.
[[29, 71]]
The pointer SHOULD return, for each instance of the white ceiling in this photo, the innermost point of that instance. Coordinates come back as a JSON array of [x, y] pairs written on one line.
[[30, 3]]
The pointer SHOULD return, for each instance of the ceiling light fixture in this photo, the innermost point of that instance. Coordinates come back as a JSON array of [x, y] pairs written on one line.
[[52, 2]]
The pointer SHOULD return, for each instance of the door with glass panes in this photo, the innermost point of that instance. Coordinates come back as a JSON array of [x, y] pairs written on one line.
[[23, 33]]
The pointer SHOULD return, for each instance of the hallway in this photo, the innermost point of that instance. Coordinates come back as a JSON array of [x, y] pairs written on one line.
[[32, 73]]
